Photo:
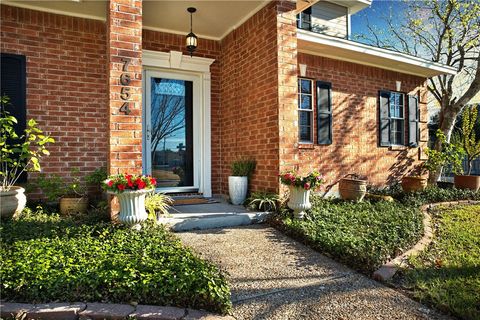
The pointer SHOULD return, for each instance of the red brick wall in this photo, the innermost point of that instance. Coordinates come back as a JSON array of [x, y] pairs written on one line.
[[66, 83], [355, 122]]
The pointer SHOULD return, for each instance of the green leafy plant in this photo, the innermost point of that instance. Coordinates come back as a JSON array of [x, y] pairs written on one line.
[[19, 153], [451, 154], [98, 176], [467, 138], [157, 204], [313, 180], [46, 258], [55, 187], [264, 201], [243, 167]]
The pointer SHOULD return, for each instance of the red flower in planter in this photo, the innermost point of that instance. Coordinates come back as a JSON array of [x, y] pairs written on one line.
[[140, 184], [121, 187], [110, 183], [153, 181], [306, 186]]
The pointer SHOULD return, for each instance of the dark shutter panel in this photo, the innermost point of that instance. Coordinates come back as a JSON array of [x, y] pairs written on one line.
[[413, 119], [13, 84], [384, 130], [324, 113]]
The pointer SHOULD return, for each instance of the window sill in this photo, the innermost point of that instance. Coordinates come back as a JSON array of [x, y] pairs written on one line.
[[398, 147], [306, 145]]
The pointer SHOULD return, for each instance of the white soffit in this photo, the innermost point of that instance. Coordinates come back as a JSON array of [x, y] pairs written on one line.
[[341, 49], [214, 19]]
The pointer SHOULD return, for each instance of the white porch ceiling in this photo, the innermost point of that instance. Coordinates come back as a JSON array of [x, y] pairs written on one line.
[[214, 19]]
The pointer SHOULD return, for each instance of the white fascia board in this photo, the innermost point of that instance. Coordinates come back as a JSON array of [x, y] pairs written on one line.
[[373, 51]]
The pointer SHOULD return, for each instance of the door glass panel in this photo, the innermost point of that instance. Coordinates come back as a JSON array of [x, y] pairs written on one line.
[[171, 132]]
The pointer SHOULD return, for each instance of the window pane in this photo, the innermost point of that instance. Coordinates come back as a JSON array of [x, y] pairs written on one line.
[[305, 118], [305, 86], [397, 132], [305, 102], [305, 133]]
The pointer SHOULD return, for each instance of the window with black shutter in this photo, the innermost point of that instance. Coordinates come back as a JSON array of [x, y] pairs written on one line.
[[305, 110], [13, 85], [324, 113], [392, 118]]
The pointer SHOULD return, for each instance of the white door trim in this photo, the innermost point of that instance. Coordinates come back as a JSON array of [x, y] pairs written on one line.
[[175, 63]]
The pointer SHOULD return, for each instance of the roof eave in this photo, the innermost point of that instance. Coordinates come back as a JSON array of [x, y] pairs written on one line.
[[368, 55]]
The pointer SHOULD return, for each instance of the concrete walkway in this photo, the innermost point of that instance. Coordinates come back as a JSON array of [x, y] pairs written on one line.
[[274, 277]]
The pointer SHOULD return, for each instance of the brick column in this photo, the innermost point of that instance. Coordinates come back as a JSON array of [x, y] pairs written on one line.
[[124, 54], [287, 85]]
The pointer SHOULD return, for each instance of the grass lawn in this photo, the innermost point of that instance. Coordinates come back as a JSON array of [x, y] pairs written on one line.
[[447, 274], [47, 258]]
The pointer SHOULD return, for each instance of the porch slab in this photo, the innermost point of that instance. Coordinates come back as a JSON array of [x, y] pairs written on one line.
[[210, 216]]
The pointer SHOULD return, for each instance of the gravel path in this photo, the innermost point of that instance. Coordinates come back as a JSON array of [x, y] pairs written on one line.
[[274, 277]]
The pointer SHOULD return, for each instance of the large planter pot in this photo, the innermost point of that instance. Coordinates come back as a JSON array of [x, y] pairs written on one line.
[[12, 202], [414, 184], [352, 189], [299, 201], [237, 188], [467, 182], [73, 205], [132, 207]]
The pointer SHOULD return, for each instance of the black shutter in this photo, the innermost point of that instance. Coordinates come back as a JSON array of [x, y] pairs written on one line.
[[413, 120], [13, 84], [324, 113], [384, 116]]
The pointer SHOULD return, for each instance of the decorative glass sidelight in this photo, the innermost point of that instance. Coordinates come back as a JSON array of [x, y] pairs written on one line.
[[171, 134]]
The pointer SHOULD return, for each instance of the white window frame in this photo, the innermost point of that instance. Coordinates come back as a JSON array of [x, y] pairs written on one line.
[[392, 93], [300, 94]]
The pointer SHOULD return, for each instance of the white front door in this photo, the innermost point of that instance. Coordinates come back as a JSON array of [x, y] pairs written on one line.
[[172, 130]]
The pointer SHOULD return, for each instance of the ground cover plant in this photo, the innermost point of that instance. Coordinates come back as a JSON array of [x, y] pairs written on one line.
[[47, 258], [367, 234], [447, 274]]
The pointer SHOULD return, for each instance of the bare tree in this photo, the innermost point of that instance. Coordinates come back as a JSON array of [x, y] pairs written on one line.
[[167, 117], [444, 31]]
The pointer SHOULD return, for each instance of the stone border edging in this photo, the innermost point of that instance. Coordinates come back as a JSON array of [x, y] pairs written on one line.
[[388, 269], [101, 311]]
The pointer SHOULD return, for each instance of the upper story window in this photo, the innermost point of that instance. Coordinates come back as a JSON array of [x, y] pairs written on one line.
[[305, 110], [304, 19]]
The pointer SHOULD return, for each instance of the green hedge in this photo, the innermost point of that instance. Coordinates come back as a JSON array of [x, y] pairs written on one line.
[[47, 258]]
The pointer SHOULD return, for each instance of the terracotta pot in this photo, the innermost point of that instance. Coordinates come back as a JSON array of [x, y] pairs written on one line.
[[12, 202], [299, 201], [467, 182], [73, 205], [413, 184], [352, 189]]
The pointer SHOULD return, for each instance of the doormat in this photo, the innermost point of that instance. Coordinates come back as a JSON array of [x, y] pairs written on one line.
[[189, 201]]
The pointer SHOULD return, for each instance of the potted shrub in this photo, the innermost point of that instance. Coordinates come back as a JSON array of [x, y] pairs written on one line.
[[74, 198], [130, 190], [469, 141], [18, 154], [242, 169], [352, 187], [299, 187]]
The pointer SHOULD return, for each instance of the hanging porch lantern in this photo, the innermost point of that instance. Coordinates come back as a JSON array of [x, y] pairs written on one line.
[[191, 37]]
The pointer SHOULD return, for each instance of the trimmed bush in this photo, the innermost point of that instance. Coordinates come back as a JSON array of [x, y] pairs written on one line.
[[47, 258]]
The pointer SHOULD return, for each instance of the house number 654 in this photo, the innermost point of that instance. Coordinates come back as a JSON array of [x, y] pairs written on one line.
[[125, 91]]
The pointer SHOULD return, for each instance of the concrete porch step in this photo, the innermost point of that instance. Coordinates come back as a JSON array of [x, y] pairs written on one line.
[[210, 216]]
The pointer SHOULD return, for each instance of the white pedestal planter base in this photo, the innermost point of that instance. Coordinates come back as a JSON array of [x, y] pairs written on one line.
[[299, 201], [132, 207]]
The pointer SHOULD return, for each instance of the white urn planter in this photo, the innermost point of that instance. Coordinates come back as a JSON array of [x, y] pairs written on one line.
[[299, 201], [12, 202], [132, 207], [237, 188]]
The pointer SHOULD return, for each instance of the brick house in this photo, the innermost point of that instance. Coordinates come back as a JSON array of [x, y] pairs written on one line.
[[278, 81]]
